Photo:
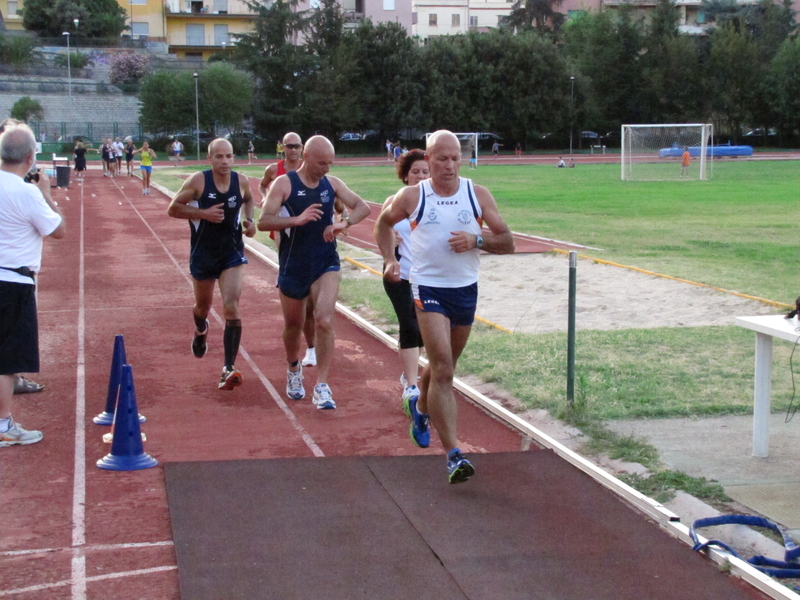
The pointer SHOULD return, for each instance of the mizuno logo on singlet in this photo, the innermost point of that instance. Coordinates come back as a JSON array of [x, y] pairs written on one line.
[[212, 196], [301, 192]]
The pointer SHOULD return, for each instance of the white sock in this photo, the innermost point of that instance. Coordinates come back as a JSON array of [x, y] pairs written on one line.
[[5, 424]]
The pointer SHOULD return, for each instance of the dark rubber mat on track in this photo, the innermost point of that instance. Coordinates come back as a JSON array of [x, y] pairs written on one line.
[[528, 525]]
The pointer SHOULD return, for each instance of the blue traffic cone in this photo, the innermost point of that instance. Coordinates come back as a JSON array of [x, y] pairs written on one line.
[[114, 379], [127, 451]]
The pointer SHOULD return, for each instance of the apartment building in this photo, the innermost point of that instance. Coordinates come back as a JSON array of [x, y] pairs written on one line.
[[196, 29]]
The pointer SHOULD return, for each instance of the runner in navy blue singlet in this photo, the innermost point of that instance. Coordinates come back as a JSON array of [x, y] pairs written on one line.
[[309, 264], [213, 202]]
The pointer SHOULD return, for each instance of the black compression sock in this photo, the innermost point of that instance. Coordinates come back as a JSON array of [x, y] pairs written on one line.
[[199, 323], [230, 339]]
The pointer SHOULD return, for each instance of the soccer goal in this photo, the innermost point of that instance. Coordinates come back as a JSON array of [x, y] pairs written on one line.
[[469, 145], [656, 152]]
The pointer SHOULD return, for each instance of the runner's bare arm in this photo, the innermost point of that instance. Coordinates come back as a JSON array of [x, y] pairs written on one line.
[[400, 208], [247, 206], [499, 240], [191, 189], [278, 193], [357, 209], [269, 176]]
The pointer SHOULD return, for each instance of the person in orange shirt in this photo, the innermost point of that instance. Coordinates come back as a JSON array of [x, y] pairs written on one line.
[[686, 160]]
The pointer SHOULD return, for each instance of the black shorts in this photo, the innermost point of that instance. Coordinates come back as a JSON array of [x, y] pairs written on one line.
[[19, 329], [403, 302]]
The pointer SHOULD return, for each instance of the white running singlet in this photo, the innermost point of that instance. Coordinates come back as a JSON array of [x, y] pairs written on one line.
[[433, 222]]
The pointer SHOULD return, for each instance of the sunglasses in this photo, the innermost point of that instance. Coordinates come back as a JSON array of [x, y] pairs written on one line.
[[293, 146]]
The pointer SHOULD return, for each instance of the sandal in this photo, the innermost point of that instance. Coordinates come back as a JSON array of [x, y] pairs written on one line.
[[26, 386]]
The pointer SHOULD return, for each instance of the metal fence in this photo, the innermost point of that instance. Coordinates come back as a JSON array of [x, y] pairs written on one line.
[[55, 135]]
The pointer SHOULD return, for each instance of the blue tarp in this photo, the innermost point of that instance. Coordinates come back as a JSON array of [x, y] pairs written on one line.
[[715, 151]]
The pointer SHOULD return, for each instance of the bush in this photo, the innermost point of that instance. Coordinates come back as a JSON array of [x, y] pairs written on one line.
[[77, 60], [129, 68], [19, 52], [27, 108]]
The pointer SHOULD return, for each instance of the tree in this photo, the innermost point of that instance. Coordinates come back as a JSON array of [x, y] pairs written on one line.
[[225, 96], [26, 109], [278, 64], [605, 49], [98, 18], [735, 73], [377, 79], [167, 102], [783, 83], [540, 15], [19, 52]]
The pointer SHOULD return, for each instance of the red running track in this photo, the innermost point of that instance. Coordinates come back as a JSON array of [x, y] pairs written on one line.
[[71, 530]]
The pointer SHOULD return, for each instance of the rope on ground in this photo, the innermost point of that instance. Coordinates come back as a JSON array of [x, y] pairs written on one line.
[[705, 285], [379, 274]]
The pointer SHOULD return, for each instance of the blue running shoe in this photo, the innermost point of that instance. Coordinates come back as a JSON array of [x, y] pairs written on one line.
[[323, 399], [410, 395], [459, 468], [419, 430]]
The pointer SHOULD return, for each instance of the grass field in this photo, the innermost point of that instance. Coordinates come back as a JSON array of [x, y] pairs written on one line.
[[738, 231]]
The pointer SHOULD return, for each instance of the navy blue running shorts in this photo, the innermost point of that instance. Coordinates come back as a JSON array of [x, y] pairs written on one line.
[[457, 304], [207, 268], [298, 286]]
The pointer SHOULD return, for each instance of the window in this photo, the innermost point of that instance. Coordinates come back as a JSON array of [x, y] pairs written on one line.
[[388, 5], [13, 7], [138, 2], [140, 28], [500, 19], [432, 20], [473, 22], [220, 35], [455, 20], [195, 34], [221, 6]]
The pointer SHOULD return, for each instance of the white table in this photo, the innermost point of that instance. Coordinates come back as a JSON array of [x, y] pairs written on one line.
[[766, 328]]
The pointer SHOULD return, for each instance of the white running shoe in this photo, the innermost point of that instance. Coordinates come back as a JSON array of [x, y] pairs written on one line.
[[294, 384], [323, 399], [310, 359], [17, 436]]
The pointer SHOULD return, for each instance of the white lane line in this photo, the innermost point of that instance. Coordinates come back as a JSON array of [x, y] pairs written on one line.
[[276, 397], [130, 546], [49, 586], [78, 580]]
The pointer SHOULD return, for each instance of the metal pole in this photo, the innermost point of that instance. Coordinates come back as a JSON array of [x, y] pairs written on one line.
[[573, 268], [69, 67], [197, 113], [571, 110]]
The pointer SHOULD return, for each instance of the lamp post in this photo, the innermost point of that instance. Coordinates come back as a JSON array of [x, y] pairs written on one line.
[[69, 67], [571, 110], [77, 22], [196, 75]]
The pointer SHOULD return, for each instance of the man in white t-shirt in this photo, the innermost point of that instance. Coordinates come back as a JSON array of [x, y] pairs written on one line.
[[447, 213], [176, 150], [27, 215], [119, 150]]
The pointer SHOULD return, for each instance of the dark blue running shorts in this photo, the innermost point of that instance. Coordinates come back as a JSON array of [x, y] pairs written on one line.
[[457, 304]]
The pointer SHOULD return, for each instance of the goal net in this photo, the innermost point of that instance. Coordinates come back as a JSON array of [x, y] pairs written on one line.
[[469, 145], [656, 152]]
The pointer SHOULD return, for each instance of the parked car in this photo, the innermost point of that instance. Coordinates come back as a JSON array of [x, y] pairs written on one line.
[[247, 136], [590, 135], [760, 133], [349, 137]]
